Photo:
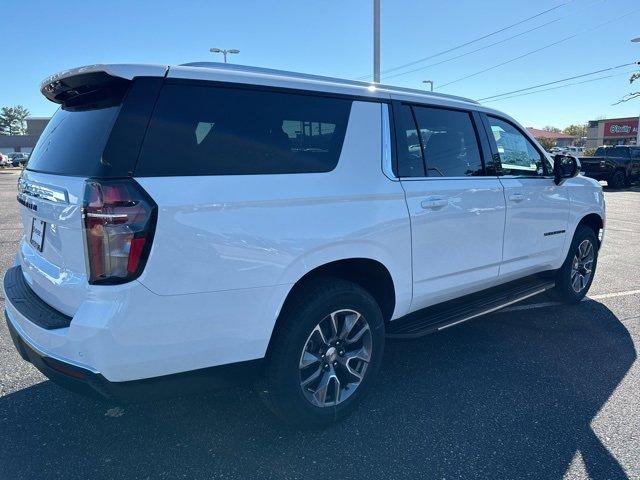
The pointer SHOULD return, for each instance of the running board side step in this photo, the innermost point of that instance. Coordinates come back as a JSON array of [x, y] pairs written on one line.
[[450, 313]]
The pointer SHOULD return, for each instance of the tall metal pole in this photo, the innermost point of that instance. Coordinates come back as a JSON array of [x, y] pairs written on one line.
[[376, 41]]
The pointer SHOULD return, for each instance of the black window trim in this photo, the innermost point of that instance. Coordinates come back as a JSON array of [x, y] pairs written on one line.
[[241, 86], [484, 147], [275, 89], [494, 147]]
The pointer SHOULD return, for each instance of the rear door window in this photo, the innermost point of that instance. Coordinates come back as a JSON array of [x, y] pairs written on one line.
[[210, 130], [410, 160], [449, 142]]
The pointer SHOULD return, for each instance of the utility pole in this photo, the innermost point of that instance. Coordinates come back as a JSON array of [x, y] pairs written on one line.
[[376, 41], [637, 40]]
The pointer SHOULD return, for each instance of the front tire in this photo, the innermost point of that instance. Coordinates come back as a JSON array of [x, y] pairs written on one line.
[[618, 180], [326, 351], [574, 278]]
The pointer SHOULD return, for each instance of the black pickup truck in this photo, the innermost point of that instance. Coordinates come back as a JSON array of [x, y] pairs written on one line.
[[618, 165]]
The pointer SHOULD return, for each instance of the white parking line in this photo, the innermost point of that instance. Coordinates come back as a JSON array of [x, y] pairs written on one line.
[[602, 296], [617, 294]]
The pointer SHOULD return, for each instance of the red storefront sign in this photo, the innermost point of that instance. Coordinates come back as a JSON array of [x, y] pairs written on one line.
[[624, 128]]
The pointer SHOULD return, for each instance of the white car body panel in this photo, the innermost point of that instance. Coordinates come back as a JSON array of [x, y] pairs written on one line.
[[537, 209], [228, 250], [126, 332], [58, 274], [457, 227], [266, 230]]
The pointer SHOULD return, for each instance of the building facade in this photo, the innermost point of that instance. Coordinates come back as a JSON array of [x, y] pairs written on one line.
[[561, 140], [24, 143], [613, 131]]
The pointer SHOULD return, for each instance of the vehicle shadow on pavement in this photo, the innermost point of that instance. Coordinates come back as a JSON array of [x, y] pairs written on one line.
[[508, 396]]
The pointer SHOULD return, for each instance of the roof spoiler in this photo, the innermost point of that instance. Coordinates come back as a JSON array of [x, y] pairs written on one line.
[[95, 85]]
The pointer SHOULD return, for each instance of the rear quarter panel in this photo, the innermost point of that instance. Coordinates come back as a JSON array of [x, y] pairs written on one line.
[[217, 233]]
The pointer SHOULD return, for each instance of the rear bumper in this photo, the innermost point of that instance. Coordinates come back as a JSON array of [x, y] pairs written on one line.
[[92, 384], [128, 333], [119, 353]]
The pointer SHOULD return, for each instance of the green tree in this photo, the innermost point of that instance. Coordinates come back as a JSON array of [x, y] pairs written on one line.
[[578, 131], [13, 120], [547, 143], [549, 128]]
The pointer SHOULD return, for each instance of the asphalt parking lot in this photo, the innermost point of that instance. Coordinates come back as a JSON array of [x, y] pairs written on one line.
[[541, 391]]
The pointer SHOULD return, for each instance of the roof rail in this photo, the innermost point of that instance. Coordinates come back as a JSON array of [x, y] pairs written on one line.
[[321, 78]]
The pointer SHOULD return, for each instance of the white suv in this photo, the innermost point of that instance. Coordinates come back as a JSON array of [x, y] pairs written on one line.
[[191, 226]]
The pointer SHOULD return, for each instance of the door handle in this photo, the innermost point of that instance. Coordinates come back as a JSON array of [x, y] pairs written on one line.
[[432, 203], [516, 197]]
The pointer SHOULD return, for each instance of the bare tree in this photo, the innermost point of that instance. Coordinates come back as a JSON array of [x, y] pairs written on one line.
[[632, 95]]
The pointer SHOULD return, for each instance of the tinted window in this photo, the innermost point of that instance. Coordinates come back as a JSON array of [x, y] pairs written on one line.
[[449, 142], [201, 130], [635, 152], [73, 142], [99, 138], [518, 156], [601, 152], [410, 162], [619, 152]]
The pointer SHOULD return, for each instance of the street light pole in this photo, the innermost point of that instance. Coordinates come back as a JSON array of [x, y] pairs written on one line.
[[376, 41], [637, 40], [430, 82], [224, 52]]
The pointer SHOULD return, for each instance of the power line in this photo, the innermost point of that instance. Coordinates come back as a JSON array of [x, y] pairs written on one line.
[[561, 86], [538, 49], [364, 77], [424, 67], [558, 81]]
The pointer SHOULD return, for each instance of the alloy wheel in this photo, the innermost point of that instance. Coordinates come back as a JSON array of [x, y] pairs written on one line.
[[335, 358], [582, 266]]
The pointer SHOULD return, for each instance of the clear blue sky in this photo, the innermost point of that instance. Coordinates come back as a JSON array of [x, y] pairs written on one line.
[[333, 37]]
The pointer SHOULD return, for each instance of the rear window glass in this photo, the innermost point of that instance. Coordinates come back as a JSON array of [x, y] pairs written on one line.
[[200, 130], [73, 142]]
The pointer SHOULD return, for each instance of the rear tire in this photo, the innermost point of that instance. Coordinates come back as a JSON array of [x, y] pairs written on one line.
[[312, 373], [618, 180], [574, 278]]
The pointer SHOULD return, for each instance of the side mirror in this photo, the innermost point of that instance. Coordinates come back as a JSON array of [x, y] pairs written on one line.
[[565, 166]]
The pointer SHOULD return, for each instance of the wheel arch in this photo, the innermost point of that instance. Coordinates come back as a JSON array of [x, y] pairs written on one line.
[[593, 221], [372, 275]]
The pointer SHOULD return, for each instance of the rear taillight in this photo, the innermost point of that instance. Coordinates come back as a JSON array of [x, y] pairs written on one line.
[[119, 220]]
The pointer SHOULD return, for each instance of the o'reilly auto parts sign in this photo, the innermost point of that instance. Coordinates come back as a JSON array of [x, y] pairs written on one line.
[[624, 128]]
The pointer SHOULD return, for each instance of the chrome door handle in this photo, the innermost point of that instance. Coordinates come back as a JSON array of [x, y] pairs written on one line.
[[516, 197], [433, 203]]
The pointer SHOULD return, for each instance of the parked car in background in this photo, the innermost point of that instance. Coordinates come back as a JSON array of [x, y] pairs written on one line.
[[308, 219], [4, 160], [618, 165], [575, 151], [18, 158]]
